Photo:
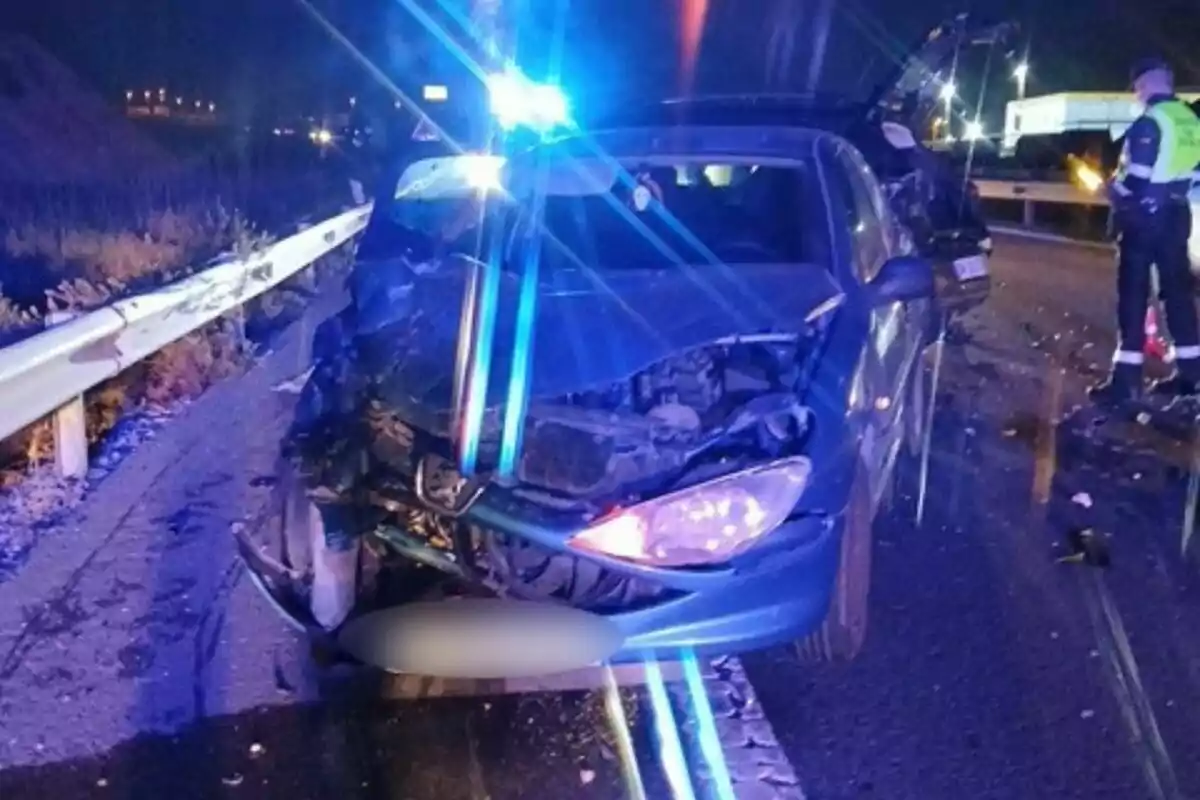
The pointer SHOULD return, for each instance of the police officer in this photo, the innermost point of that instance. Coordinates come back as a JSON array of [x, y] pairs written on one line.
[[1149, 198]]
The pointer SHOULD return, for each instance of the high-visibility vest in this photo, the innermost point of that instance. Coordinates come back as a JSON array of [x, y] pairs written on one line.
[[1179, 148]]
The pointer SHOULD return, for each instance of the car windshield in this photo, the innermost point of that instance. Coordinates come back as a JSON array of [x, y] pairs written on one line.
[[636, 213], [688, 210]]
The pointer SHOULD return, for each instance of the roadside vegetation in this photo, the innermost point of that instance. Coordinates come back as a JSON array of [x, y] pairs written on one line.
[[73, 249]]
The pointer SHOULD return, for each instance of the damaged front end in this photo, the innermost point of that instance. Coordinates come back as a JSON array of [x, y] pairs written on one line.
[[653, 454]]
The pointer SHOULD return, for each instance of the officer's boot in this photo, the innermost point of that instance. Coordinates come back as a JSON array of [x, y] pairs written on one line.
[[1183, 382], [1124, 385]]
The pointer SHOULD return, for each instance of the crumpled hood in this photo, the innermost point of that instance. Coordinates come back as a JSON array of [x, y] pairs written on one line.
[[590, 331]]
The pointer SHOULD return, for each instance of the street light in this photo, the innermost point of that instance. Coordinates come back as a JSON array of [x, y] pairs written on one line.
[[1021, 75], [974, 131]]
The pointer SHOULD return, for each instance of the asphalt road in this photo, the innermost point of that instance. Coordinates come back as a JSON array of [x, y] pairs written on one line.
[[137, 662], [991, 671]]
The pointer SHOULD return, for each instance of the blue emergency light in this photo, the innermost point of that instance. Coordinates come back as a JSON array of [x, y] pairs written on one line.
[[516, 101]]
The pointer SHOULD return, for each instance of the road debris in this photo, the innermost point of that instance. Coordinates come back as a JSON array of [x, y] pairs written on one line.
[[1087, 547]]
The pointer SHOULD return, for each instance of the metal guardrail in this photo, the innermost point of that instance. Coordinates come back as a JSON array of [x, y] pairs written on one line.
[[50, 371], [1040, 192], [1020, 175], [1035, 192]]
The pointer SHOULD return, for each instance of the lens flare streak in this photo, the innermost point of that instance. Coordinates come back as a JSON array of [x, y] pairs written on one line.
[[481, 360], [706, 729], [523, 340], [927, 426], [620, 726], [670, 745]]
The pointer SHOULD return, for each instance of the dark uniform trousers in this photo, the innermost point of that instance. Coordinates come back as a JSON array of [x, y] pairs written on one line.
[[1158, 239]]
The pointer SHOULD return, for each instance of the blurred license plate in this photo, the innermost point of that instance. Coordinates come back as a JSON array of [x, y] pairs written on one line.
[[971, 268]]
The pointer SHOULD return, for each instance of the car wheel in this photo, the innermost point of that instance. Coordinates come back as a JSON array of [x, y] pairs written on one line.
[[844, 630], [313, 586]]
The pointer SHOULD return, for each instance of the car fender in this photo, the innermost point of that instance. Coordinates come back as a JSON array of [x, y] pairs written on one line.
[[844, 631]]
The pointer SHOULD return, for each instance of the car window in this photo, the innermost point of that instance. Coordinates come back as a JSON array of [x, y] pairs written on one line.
[[867, 217]]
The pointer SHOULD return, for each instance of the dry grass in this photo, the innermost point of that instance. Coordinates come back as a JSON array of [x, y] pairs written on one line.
[[76, 265]]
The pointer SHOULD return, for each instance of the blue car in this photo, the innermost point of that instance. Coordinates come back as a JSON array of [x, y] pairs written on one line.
[[626, 393]]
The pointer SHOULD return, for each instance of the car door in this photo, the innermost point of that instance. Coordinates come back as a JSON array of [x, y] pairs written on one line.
[[890, 348], [908, 320]]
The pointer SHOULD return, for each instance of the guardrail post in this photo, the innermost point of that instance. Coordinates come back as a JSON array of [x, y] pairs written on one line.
[[70, 423], [1027, 214]]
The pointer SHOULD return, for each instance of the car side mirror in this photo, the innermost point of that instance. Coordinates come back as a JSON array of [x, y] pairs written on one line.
[[902, 279]]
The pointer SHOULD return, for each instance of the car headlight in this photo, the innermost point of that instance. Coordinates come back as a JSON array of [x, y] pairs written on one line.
[[703, 524]]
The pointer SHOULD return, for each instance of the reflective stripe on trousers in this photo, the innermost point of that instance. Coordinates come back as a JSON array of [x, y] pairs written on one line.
[[1159, 241]]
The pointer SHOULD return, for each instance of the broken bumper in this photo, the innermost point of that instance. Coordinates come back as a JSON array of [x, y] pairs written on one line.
[[780, 594], [777, 593]]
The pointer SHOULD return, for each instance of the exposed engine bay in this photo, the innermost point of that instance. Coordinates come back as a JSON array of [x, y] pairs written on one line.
[[732, 401]]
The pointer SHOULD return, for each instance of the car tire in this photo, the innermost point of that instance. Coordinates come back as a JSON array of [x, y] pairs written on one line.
[[285, 553], [842, 634]]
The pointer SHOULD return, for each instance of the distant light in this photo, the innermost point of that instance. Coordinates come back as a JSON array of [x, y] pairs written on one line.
[[396, 104], [197, 104], [1085, 175], [1021, 72], [974, 131], [146, 94], [353, 101], [435, 93], [278, 132], [949, 90], [128, 96], [322, 136], [178, 101], [212, 106]]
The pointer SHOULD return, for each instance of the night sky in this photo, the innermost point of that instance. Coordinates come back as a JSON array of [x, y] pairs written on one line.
[[270, 53]]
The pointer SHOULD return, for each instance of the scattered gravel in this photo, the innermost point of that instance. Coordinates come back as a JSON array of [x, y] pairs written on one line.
[[37, 501]]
